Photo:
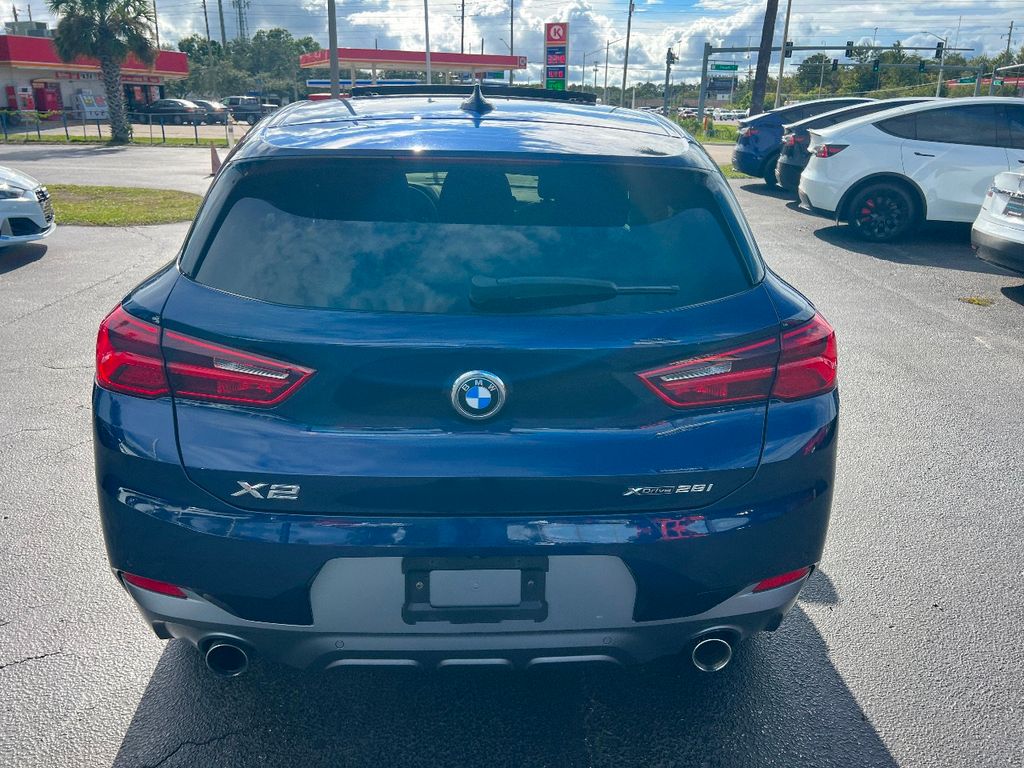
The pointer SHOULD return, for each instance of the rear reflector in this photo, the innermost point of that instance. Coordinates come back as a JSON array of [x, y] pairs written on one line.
[[128, 356], [804, 366], [782, 579], [131, 359], [152, 585]]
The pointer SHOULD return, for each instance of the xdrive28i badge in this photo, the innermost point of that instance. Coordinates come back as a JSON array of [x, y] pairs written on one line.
[[478, 394]]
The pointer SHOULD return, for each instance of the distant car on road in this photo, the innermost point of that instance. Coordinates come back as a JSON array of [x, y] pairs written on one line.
[[172, 112], [215, 111], [998, 232], [886, 173], [758, 140], [515, 389], [247, 109], [26, 210], [796, 137]]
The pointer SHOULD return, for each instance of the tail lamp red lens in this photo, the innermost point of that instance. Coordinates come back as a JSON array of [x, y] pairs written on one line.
[[152, 585], [747, 131], [198, 370], [131, 359], [128, 356], [828, 150], [803, 366], [782, 579]]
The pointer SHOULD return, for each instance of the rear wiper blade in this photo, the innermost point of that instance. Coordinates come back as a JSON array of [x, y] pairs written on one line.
[[545, 292]]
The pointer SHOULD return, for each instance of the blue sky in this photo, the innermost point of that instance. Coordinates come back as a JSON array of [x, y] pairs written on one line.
[[657, 24]]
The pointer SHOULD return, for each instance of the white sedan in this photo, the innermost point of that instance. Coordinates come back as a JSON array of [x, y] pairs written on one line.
[[998, 232], [26, 210]]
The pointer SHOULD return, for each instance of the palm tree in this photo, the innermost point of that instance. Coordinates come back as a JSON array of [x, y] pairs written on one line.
[[107, 30]]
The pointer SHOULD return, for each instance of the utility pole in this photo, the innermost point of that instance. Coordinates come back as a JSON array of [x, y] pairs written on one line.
[[223, 34], [704, 82], [764, 55], [625, 61], [206, 19], [821, 79], [782, 55], [511, 38], [332, 44], [156, 23], [426, 40], [607, 46], [462, 29], [1009, 39], [670, 59], [15, 9]]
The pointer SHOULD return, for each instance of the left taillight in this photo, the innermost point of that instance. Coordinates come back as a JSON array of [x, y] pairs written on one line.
[[132, 359], [128, 358], [829, 150], [199, 370]]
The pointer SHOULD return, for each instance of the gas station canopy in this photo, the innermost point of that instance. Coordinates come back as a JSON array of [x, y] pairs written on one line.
[[379, 60]]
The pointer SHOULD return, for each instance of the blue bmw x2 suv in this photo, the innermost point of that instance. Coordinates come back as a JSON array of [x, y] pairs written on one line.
[[449, 378]]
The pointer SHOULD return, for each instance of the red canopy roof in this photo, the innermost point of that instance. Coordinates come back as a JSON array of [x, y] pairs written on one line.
[[384, 59], [39, 52]]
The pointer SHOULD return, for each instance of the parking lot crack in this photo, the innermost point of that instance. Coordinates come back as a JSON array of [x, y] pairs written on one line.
[[31, 658], [191, 743]]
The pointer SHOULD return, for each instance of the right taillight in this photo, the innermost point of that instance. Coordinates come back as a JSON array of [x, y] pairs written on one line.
[[828, 150], [807, 365], [747, 131], [804, 366]]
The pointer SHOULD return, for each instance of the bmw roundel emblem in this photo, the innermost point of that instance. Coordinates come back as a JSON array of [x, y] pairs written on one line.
[[478, 394]]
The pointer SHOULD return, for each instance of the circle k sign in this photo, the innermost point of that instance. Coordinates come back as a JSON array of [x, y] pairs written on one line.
[[556, 33]]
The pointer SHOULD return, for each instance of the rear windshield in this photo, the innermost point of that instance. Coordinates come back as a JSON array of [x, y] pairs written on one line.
[[465, 237]]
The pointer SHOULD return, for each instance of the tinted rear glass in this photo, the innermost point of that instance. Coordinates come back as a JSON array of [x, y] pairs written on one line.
[[416, 236]]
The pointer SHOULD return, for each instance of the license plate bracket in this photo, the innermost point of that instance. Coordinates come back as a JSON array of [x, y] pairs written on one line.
[[532, 605]]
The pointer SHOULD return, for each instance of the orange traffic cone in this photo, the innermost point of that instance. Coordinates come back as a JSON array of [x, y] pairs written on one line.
[[214, 161]]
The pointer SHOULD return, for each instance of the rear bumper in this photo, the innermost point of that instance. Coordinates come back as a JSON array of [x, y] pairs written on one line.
[[820, 197], [788, 175], [626, 585], [352, 629], [999, 245], [747, 161]]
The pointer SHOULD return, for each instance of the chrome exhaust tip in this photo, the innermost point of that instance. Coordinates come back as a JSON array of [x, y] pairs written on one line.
[[711, 654], [226, 659]]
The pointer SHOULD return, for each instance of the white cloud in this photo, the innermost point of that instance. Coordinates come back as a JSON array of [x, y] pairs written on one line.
[[657, 25]]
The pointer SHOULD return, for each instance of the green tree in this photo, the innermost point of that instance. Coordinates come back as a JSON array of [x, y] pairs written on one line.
[[107, 30], [811, 72]]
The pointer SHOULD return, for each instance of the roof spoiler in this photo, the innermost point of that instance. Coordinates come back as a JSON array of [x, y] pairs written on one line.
[[506, 91]]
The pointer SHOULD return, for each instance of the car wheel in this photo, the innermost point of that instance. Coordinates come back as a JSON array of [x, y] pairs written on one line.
[[177, 120], [881, 213], [252, 119], [769, 171]]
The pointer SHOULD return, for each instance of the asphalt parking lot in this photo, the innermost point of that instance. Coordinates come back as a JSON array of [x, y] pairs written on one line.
[[903, 650]]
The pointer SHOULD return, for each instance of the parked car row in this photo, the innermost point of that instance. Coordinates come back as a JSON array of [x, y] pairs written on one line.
[[887, 166], [247, 109]]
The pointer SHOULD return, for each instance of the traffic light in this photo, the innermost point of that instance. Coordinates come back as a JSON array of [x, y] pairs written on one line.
[[849, 49], [835, 64], [788, 49], [876, 65], [920, 66], [938, 49]]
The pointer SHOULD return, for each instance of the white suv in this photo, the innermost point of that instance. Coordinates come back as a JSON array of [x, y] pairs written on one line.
[[885, 173]]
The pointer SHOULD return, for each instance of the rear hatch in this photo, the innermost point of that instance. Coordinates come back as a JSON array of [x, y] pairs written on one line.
[[618, 306]]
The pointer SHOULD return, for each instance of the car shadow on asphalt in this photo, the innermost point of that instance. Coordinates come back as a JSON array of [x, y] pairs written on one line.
[[46, 150], [758, 187], [781, 702], [13, 257], [1014, 293], [935, 244]]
